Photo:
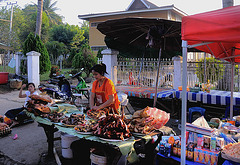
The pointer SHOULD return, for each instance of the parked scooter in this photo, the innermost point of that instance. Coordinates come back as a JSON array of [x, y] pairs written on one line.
[[81, 84], [54, 80], [60, 91]]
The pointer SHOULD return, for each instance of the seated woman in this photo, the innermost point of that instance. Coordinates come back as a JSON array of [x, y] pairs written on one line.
[[103, 94], [17, 116]]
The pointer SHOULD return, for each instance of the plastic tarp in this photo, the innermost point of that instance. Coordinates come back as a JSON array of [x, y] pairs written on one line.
[[221, 27]]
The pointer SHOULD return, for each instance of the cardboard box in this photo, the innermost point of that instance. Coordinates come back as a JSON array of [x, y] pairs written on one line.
[[206, 142], [205, 156]]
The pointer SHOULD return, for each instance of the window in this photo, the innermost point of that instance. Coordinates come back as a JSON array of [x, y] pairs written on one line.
[[94, 24]]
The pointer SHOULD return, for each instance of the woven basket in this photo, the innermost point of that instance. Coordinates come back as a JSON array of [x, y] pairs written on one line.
[[15, 83]]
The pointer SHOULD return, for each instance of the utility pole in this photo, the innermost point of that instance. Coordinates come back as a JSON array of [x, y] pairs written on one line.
[[10, 26]]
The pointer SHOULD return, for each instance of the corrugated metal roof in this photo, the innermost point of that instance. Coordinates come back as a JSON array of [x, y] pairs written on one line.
[[3, 46], [171, 7]]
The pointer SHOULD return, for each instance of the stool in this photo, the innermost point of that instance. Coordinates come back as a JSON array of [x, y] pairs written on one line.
[[195, 109], [236, 111]]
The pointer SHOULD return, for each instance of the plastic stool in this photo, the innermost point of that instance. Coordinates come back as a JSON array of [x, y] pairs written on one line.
[[236, 111], [195, 109]]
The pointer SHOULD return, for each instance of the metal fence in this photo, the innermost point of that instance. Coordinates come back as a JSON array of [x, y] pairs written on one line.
[[217, 73], [4, 61], [143, 72]]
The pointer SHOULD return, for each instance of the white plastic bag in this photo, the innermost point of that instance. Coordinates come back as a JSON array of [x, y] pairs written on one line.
[[12, 63], [201, 121]]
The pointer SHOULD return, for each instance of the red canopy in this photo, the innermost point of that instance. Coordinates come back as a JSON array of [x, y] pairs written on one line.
[[220, 27]]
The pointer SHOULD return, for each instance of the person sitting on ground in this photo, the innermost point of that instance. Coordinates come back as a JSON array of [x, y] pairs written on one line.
[[103, 94], [18, 116]]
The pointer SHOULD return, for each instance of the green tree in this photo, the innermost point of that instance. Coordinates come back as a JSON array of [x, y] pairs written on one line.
[[30, 25], [55, 49], [85, 28], [18, 21], [70, 35], [49, 8], [34, 43], [84, 59], [214, 69]]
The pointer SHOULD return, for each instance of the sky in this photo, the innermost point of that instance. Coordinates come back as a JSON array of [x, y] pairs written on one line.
[[70, 9]]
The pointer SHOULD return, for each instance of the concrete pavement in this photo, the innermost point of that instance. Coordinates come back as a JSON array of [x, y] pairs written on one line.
[[31, 142]]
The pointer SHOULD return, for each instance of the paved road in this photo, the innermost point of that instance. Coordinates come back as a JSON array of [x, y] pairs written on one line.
[[31, 142]]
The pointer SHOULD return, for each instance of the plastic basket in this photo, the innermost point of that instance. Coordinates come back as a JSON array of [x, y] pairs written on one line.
[[194, 89]]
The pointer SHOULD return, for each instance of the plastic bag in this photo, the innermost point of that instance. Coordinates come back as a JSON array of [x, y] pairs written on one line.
[[12, 63], [159, 118], [122, 97], [201, 121]]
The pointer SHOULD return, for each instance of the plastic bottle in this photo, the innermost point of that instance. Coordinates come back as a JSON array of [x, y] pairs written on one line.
[[162, 147], [175, 148], [171, 140], [168, 150]]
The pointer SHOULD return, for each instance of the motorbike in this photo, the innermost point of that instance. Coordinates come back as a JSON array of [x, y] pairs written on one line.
[[81, 85], [54, 80], [60, 91]]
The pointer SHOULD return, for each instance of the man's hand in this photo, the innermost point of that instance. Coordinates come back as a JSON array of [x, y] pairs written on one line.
[[23, 86]]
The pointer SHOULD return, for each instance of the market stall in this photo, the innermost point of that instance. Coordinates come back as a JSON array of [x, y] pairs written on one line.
[[98, 129], [216, 32], [212, 97]]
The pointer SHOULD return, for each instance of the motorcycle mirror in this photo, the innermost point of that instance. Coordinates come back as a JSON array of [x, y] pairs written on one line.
[[70, 75], [82, 69]]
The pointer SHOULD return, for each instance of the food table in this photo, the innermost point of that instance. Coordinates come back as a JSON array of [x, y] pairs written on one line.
[[120, 147], [214, 97], [145, 92], [149, 93]]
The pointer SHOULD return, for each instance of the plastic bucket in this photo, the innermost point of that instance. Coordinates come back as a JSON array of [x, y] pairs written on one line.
[[98, 160], [4, 77], [66, 141]]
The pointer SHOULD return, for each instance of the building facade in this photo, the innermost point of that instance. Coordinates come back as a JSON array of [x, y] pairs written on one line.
[[136, 9]]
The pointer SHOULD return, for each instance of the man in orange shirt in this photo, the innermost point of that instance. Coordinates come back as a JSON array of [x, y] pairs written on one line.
[[103, 93]]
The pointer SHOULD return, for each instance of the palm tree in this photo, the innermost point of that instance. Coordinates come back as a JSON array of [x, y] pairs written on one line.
[[39, 17], [49, 8]]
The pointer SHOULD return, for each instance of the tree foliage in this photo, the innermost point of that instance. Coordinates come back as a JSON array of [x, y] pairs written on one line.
[[55, 49], [34, 43], [84, 59], [18, 20], [214, 69], [49, 9], [70, 35]]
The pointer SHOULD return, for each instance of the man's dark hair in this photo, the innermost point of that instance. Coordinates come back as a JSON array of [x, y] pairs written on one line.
[[31, 84]]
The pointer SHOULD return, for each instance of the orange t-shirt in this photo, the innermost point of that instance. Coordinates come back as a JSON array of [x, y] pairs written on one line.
[[109, 89]]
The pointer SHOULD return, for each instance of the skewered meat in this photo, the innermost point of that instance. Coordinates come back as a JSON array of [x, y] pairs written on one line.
[[42, 108], [74, 119], [4, 130], [44, 98], [37, 104], [86, 127], [112, 127], [54, 117], [96, 114]]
